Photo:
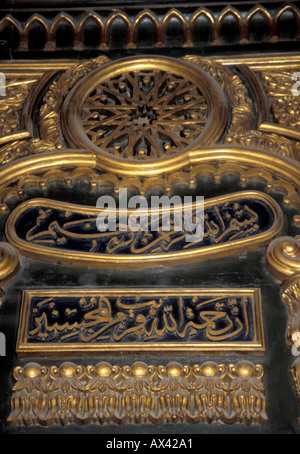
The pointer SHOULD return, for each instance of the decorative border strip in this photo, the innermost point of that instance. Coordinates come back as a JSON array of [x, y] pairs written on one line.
[[104, 20], [141, 393], [75, 321]]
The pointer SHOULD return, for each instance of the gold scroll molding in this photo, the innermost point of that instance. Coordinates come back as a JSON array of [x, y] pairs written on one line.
[[149, 257], [140, 321], [16, 110], [283, 257], [49, 115], [140, 393], [9, 262], [9, 266], [290, 294]]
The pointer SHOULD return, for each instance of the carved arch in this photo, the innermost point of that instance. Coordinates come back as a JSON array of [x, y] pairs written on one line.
[[129, 39], [266, 15], [239, 20], [99, 23], [210, 18], [63, 17], [35, 19], [152, 17], [185, 27]]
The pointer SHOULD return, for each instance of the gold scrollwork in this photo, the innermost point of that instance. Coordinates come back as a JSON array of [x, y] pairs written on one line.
[[9, 262], [290, 294], [283, 257], [285, 106], [295, 374], [49, 124], [140, 393], [23, 148], [240, 103], [9, 266], [16, 91]]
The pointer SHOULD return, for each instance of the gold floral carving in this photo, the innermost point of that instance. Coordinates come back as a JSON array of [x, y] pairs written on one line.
[[16, 91], [23, 148], [242, 107], [290, 294], [274, 142], [49, 113], [285, 106], [274, 96], [140, 393]]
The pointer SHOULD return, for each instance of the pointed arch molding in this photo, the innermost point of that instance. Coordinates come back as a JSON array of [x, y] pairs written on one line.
[[187, 17]]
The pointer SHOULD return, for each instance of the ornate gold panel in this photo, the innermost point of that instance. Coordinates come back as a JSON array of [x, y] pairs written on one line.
[[141, 393], [153, 125]]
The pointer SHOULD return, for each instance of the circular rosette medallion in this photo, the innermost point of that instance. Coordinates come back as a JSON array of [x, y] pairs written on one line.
[[144, 108]]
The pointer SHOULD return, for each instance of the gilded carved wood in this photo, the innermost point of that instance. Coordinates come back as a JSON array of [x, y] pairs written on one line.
[[147, 124], [156, 17], [140, 393]]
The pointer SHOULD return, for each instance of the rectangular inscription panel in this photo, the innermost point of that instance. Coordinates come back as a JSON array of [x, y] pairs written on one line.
[[75, 321]]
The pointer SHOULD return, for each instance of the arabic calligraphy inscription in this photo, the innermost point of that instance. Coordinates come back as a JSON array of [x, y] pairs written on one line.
[[107, 320], [68, 233]]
